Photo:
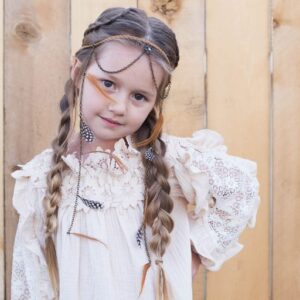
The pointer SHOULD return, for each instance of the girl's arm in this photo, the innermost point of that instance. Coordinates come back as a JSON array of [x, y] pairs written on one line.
[[23, 266], [222, 192], [30, 279], [196, 262]]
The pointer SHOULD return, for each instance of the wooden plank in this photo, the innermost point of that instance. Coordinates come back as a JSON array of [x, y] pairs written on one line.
[[185, 106], [86, 12], [286, 149], [37, 59], [2, 269], [238, 107]]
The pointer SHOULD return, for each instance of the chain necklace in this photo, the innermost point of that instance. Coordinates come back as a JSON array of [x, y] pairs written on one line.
[[98, 205]]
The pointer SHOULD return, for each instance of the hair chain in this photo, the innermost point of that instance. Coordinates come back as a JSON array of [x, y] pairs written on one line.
[[128, 37], [80, 146], [120, 70]]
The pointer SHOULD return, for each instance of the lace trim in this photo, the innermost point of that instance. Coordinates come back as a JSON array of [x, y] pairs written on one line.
[[29, 278], [222, 189]]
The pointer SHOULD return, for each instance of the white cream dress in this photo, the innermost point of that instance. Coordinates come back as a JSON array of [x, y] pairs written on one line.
[[216, 196]]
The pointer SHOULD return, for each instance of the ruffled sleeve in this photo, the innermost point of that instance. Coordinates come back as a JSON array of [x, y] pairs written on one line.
[[222, 193], [30, 278]]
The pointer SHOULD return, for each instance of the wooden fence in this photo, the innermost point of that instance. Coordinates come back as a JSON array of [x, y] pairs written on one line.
[[239, 74]]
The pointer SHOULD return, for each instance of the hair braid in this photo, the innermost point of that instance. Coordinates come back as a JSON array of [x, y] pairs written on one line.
[[157, 189], [158, 203], [109, 17], [161, 206], [54, 181]]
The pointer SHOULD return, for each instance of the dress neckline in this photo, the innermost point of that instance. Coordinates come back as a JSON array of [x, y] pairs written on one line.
[[122, 148], [122, 145]]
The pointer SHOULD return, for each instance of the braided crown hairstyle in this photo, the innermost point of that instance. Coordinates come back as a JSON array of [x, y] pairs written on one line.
[[116, 21]]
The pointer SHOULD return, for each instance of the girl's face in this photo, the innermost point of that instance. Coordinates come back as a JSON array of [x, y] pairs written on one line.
[[132, 89]]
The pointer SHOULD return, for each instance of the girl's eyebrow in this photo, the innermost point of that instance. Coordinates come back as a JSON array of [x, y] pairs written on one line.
[[139, 90]]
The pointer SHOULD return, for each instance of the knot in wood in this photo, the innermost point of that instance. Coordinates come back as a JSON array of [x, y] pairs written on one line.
[[166, 7], [275, 23], [27, 32]]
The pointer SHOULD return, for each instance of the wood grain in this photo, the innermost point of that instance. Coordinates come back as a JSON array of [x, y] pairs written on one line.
[[286, 149], [37, 56], [2, 264], [86, 12], [238, 107], [232, 98]]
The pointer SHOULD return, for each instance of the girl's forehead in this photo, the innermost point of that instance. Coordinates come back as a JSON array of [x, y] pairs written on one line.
[[116, 47], [114, 56]]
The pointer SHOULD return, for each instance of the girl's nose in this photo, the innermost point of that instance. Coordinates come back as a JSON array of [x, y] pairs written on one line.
[[119, 106]]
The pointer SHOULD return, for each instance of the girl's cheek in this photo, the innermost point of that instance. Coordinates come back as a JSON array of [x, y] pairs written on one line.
[[94, 100]]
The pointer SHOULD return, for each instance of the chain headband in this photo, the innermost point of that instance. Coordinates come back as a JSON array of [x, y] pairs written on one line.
[[147, 48], [128, 37]]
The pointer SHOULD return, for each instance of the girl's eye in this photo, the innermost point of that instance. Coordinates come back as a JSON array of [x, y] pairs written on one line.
[[140, 97], [107, 83]]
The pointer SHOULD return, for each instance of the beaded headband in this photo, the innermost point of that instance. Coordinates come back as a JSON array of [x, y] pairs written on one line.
[[128, 37]]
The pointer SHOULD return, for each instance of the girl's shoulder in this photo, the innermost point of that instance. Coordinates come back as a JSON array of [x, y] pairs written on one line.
[[203, 146], [30, 186], [35, 169], [202, 140]]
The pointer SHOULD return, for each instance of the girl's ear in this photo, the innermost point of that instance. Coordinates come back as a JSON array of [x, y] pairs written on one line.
[[75, 64]]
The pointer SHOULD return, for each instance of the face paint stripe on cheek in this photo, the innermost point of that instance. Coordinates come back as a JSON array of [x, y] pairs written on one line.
[[94, 82]]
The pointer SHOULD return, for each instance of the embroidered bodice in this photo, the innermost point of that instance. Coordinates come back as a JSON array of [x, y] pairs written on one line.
[[215, 195]]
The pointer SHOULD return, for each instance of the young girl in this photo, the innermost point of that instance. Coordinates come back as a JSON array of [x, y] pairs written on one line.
[[116, 209]]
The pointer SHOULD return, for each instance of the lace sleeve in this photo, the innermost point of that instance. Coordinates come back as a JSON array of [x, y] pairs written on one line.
[[25, 270], [30, 279], [19, 285], [222, 191]]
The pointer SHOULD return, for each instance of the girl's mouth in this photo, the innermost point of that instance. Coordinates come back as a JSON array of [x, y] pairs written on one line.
[[110, 121]]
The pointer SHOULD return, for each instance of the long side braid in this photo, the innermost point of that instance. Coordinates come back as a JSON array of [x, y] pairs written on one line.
[[54, 181], [159, 203]]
